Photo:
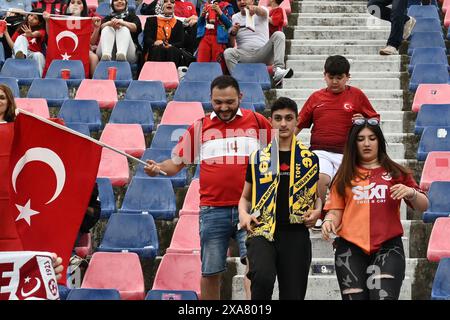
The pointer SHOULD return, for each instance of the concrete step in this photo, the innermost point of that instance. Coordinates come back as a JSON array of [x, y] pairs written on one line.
[[330, 49], [391, 138], [364, 84], [327, 19], [337, 42], [351, 57], [354, 75], [378, 104], [341, 34], [340, 28], [356, 66], [332, 7], [371, 94]]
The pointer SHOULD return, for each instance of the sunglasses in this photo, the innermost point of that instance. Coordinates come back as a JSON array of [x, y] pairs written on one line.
[[363, 121]]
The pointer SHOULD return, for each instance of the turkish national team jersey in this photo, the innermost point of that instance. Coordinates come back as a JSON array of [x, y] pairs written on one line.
[[34, 44], [223, 152], [370, 216], [184, 9], [331, 117], [277, 20]]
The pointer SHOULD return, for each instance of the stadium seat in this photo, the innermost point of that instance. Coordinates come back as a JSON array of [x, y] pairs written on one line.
[[447, 19], [427, 25], [167, 136], [93, 294], [83, 247], [435, 168], [420, 2], [182, 113], [92, 4], [186, 236], [103, 9], [81, 111], [106, 197], [253, 72], [126, 137], [2, 54], [152, 91], [123, 73], [433, 139], [191, 205], [441, 283], [428, 73], [179, 271], [12, 83], [171, 295], [247, 105], [253, 93], [203, 71], [79, 127], [25, 70], [439, 243], [160, 71], [35, 105], [143, 19], [425, 40], [55, 91], [158, 155], [133, 111], [114, 166], [131, 233], [106, 271], [428, 55], [77, 73], [431, 94], [418, 11], [432, 115], [192, 91], [104, 91], [438, 196], [153, 196]]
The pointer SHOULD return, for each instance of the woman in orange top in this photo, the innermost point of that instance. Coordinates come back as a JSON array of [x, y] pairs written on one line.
[[364, 211]]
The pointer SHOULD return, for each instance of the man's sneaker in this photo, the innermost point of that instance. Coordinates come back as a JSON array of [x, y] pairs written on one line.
[[121, 57], [20, 55], [318, 225], [388, 50], [280, 73], [106, 57], [409, 26]]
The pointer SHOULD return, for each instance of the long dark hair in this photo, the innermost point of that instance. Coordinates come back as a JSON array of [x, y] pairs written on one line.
[[41, 20], [10, 114], [84, 12], [348, 171]]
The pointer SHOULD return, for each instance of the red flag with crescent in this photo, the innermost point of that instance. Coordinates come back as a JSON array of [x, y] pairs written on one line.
[[51, 176], [69, 39]]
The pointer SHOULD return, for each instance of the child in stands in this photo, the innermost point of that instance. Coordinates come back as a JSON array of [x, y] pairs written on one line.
[[276, 16]]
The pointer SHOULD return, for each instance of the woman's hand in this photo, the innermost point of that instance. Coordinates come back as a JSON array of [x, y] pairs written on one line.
[[216, 8], [400, 191], [57, 266], [311, 217], [97, 22], [330, 225], [46, 15], [27, 31]]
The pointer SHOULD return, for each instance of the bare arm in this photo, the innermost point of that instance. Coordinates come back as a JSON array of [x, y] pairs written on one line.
[[245, 219], [168, 166], [418, 200], [331, 223], [259, 11]]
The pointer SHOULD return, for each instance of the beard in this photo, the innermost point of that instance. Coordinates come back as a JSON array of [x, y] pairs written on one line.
[[231, 116]]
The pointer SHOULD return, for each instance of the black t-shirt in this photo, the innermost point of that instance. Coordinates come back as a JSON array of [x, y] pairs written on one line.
[[282, 213]]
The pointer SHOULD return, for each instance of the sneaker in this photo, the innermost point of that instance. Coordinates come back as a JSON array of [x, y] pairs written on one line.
[[318, 226], [20, 55], [280, 74], [106, 57], [121, 57], [388, 50], [409, 26]]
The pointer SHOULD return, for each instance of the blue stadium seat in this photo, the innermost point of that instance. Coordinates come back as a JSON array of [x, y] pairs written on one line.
[[428, 73], [82, 111], [158, 155], [203, 71], [253, 93], [79, 127], [167, 136], [253, 72], [131, 233], [426, 40], [433, 139], [432, 115], [197, 172], [247, 105], [152, 91], [103, 9], [76, 67], [419, 2], [153, 196], [25, 70], [438, 195], [441, 283], [93, 294], [418, 11], [171, 295], [55, 91], [133, 111], [427, 25], [13, 84], [194, 91], [2, 54], [428, 55], [123, 74], [106, 197]]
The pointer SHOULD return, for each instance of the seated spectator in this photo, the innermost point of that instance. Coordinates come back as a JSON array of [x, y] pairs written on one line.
[[185, 11], [276, 17], [7, 105], [52, 6], [119, 34], [14, 18], [164, 35], [29, 38]]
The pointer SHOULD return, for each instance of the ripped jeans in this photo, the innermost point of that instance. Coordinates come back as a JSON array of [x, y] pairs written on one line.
[[378, 276]]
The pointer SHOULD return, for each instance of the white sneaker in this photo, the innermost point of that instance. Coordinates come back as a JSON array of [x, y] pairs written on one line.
[[388, 50], [280, 74], [409, 26]]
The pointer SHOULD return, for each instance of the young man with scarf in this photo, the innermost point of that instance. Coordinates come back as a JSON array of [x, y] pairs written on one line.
[[280, 192]]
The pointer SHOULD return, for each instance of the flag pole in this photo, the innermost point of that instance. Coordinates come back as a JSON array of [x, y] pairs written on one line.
[[104, 145], [19, 11]]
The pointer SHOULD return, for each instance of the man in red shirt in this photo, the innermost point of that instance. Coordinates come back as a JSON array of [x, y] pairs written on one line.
[[221, 142], [331, 111]]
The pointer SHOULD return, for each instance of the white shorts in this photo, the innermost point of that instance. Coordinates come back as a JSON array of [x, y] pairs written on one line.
[[329, 162]]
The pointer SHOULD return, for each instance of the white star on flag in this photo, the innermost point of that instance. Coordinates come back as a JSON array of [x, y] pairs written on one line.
[[65, 56], [33, 41], [26, 212], [27, 280]]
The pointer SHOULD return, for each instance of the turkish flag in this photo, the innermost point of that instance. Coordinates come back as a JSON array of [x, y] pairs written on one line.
[[69, 39], [52, 174]]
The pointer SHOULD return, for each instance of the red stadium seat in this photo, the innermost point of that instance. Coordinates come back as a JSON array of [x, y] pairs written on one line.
[[104, 91], [125, 137], [439, 243], [179, 112], [120, 271], [186, 237], [92, 4], [445, 5], [143, 19], [431, 94], [114, 166], [447, 19], [192, 200], [179, 271], [166, 72], [35, 105], [83, 247], [436, 168], [286, 5]]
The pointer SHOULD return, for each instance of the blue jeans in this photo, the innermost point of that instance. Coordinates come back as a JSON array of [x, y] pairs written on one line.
[[217, 226]]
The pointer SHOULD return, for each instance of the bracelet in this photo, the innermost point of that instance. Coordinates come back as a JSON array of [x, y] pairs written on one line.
[[331, 220], [413, 197]]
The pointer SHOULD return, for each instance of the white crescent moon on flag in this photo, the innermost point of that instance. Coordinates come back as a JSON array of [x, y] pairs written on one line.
[[36, 288], [47, 156], [67, 34]]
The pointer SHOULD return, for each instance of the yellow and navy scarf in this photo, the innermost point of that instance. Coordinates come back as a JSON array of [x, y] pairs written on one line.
[[304, 174]]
